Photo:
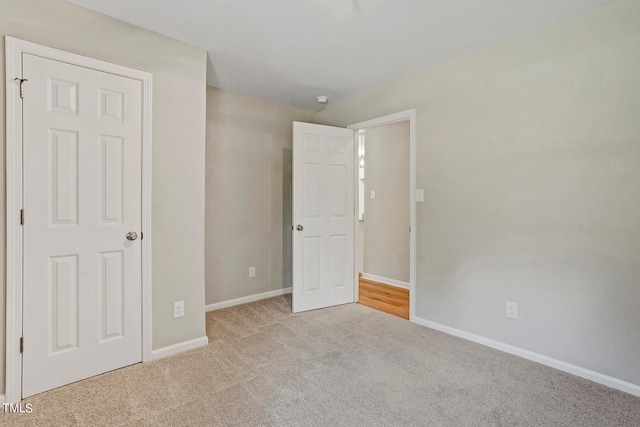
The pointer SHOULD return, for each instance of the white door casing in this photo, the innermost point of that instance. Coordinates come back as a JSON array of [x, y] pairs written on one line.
[[78, 153], [323, 216]]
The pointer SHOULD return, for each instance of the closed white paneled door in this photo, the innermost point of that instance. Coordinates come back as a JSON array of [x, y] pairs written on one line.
[[82, 196], [323, 216]]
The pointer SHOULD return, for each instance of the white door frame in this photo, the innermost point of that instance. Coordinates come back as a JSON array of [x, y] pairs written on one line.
[[14, 49], [409, 115]]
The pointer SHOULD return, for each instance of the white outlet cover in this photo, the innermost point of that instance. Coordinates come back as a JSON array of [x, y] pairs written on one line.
[[178, 309], [511, 309], [373, 194]]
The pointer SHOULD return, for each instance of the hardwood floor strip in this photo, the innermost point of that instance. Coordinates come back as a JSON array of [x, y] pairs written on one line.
[[389, 299]]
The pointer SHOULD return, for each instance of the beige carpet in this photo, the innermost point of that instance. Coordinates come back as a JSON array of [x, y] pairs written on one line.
[[348, 366]]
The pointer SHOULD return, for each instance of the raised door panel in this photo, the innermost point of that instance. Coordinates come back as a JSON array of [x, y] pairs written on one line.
[[338, 260], [338, 191], [63, 297], [63, 96], [111, 295], [311, 194], [63, 177], [112, 179]]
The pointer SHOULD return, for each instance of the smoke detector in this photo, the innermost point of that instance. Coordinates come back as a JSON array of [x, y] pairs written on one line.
[[322, 99]]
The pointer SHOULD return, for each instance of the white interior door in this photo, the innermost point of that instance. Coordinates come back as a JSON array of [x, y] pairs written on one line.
[[323, 216], [82, 195]]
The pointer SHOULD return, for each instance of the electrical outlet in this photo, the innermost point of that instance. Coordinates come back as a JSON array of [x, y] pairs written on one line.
[[252, 272], [178, 309], [511, 309]]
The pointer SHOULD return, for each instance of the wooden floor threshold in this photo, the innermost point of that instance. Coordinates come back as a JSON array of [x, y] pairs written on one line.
[[390, 299]]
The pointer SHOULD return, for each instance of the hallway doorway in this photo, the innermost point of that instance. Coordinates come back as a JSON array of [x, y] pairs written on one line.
[[385, 227]]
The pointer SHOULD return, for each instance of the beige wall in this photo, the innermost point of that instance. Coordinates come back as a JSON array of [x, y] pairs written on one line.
[[178, 145], [529, 155], [248, 171], [386, 218]]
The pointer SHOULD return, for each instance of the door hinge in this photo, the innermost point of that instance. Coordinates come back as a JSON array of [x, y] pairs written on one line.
[[21, 216], [21, 86], [21, 344]]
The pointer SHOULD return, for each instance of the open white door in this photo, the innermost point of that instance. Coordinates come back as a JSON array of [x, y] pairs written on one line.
[[323, 216]]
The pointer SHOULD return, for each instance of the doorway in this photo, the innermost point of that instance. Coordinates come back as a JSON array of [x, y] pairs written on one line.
[[385, 244], [325, 206]]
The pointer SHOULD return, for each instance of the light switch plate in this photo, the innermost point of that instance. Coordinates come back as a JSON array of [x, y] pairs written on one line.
[[373, 194], [420, 195]]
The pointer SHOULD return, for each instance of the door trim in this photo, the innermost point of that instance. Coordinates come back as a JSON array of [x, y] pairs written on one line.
[[409, 115], [14, 48]]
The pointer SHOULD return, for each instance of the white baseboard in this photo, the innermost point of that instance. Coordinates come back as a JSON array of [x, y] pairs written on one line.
[[247, 299], [386, 281], [170, 350], [579, 371]]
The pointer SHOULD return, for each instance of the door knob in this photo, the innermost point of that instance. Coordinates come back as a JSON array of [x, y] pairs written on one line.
[[132, 235], [299, 227]]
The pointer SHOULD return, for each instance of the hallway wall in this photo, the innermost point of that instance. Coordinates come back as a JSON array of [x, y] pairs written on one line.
[[386, 218]]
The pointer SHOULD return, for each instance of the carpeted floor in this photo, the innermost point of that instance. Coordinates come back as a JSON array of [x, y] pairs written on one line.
[[348, 365]]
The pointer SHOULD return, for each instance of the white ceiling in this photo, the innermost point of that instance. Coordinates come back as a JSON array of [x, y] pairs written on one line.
[[290, 51]]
